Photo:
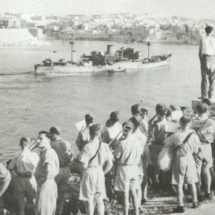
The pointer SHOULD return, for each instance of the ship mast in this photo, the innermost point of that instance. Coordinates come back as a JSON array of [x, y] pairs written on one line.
[[72, 43], [148, 44]]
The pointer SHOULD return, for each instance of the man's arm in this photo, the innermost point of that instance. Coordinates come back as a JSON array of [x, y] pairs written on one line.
[[200, 50], [5, 184]]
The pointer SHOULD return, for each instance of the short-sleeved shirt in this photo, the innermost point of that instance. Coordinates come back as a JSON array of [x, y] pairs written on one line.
[[112, 133], [128, 151], [205, 128], [90, 149], [191, 146], [25, 162], [207, 45], [61, 147], [4, 173], [83, 137], [48, 156]]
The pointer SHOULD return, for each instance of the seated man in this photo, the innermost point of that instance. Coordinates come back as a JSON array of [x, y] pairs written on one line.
[[24, 165]]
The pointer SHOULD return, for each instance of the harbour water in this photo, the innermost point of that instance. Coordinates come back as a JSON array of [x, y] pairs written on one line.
[[29, 104]]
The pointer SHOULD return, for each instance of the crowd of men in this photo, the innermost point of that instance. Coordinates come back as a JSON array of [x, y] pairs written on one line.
[[119, 157]]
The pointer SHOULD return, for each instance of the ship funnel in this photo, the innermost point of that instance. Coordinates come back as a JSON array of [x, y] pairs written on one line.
[[111, 50]]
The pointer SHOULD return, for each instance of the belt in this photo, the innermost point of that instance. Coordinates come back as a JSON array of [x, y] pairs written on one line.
[[63, 165], [206, 55], [24, 174]]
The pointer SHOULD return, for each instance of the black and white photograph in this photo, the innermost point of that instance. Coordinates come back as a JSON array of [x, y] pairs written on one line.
[[107, 107]]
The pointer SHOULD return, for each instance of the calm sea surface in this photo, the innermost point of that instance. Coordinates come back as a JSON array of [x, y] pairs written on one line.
[[30, 104]]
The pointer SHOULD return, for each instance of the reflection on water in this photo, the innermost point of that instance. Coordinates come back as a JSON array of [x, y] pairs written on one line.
[[30, 104]]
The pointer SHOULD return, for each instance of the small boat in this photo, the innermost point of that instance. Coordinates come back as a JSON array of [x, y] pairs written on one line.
[[117, 70]]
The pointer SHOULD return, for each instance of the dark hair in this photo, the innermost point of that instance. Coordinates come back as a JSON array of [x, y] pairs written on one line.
[[185, 119], [47, 134], [135, 123], [201, 108], [206, 101], [127, 126], [135, 109], [114, 116], [93, 130], [208, 29], [88, 119], [144, 111], [161, 109], [22, 140], [54, 130]]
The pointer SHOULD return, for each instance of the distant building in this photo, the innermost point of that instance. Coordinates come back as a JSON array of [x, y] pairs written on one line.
[[10, 22]]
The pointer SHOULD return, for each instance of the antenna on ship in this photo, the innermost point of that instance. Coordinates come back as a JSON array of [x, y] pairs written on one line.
[[72, 43], [148, 44]]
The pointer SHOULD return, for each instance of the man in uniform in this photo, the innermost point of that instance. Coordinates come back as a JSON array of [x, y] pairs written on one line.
[[24, 166], [47, 169], [128, 154], [185, 143], [83, 136], [64, 152], [5, 179], [205, 128], [207, 60]]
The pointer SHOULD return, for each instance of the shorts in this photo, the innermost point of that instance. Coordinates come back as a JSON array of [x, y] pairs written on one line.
[[184, 170], [46, 199], [207, 159], [62, 178], [92, 184], [127, 178], [25, 188]]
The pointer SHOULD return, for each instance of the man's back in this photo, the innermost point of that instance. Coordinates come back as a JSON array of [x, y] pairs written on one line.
[[207, 45], [129, 151]]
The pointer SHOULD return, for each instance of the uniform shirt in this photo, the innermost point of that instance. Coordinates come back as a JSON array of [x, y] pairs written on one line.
[[128, 151], [207, 45], [4, 174], [111, 133], [190, 147], [90, 149], [47, 156], [25, 162], [205, 127], [142, 141], [62, 148], [83, 137]]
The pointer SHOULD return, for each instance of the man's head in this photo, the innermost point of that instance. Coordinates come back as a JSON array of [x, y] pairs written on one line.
[[185, 121], [114, 116], [23, 142], [206, 101], [135, 109], [161, 110], [88, 119], [208, 30], [55, 132], [143, 112], [95, 130], [44, 139], [201, 109], [127, 128]]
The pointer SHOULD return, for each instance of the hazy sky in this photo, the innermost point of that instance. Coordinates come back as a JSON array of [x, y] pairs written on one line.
[[197, 9]]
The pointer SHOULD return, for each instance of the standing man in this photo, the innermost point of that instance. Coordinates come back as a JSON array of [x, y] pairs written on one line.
[[24, 166], [128, 154], [84, 136], [47, 169], [205, 128], [64, 152], [184, 143], [207, 60], [5, 179]]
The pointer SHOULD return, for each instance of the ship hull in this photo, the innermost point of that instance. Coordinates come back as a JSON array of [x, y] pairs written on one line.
[[120, 66]]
